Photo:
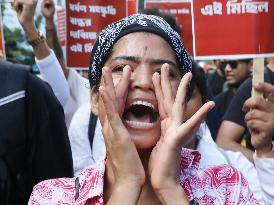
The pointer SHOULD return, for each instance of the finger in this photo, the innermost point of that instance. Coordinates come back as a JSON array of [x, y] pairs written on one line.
[[194, 122], [267, 89], [122, 88], [112, 114], [256, 114], [17, 6], [257, 103], [108, 83], [257, 126], [180, 100], [159, 95], [166, 88]]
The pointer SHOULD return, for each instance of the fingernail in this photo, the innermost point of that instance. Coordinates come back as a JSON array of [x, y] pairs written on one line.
[[101, 89], [157, 75]]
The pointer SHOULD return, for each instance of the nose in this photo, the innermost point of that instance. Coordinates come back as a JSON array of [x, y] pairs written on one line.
[[227, 68], [141, 78]]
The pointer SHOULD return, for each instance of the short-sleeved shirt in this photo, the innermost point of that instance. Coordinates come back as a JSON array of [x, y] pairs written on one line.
[[235, 113]]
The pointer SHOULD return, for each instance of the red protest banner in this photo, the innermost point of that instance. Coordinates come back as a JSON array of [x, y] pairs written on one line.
[[182, 10], [233, 28], [85, 19], [2, 44], [132, 7]]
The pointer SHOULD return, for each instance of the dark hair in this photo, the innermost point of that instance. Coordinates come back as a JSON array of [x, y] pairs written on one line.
[[167, 16], [199, 80]]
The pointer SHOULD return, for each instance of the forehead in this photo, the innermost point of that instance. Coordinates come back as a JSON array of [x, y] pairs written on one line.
[[143, 44]]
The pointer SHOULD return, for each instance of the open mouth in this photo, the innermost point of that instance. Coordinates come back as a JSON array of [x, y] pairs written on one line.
[[141, 114]]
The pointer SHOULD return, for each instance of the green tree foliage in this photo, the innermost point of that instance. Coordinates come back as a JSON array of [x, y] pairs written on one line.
[[15, 45]]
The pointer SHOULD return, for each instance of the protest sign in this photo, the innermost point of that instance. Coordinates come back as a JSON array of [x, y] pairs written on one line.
[[181, 9], [85, 19], [132, 7], [233, 29]]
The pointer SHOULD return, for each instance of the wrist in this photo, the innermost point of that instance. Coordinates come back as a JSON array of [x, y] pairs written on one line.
[[50, 24], [173, 196], [128, 193], [36, 39]]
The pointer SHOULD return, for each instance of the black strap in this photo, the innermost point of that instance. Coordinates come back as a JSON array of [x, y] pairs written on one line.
[[91, 128]]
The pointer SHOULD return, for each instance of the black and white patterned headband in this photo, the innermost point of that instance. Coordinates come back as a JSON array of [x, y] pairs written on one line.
[[135, 23]]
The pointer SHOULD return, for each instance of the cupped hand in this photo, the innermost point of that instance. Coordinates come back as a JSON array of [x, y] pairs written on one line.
[[175, 133], [121, 151]]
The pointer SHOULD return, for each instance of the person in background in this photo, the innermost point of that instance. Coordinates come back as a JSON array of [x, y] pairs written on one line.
[[77, 85], [34, 144], [215, 79], [234, 128], [258, 174], [236, 71]]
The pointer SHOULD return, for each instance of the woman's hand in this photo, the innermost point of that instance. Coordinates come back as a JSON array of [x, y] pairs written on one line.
[[164, 162], [122, 155]]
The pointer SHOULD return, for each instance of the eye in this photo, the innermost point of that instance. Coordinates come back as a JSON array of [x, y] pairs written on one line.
[[158, 71], [118, 68], [172, 73]]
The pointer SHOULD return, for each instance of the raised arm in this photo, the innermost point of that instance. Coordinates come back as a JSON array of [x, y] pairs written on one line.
[[49, 66], [48, 10], [229, 137], [25, 12]]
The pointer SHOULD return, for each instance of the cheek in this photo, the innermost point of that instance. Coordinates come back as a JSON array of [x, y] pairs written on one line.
[[174, 87]]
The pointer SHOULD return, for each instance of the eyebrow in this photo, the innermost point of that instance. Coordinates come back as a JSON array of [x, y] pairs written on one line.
[[136, 59]]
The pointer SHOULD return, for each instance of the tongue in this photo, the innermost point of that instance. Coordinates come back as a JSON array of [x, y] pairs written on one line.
[[143, 118]]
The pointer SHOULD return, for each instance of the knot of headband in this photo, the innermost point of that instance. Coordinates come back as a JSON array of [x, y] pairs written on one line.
[[135, 23]]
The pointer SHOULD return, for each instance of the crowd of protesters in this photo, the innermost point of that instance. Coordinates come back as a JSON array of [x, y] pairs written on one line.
[[146, 126]]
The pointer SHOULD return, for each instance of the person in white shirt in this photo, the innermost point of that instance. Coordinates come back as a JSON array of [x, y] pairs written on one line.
[[74, 86]]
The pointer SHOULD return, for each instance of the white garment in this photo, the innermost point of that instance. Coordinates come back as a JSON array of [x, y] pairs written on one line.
[[82, 155], [260, 177], [52, 73], [79, 88], [261, 180], [72, 93]]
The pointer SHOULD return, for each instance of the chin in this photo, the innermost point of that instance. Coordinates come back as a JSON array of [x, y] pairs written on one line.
[[144, 139]]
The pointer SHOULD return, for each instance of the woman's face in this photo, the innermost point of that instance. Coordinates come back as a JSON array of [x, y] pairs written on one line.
[[145, 53]]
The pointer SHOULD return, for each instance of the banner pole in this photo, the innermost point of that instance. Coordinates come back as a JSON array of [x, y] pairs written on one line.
[[258, 75]]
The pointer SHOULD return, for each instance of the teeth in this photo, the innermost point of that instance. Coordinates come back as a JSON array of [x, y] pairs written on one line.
[[139, 124], [139, 102]]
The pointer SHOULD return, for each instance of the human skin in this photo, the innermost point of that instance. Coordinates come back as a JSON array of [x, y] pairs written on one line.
[[260, 120], [236, 75], [25, 10], [143, 159]]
